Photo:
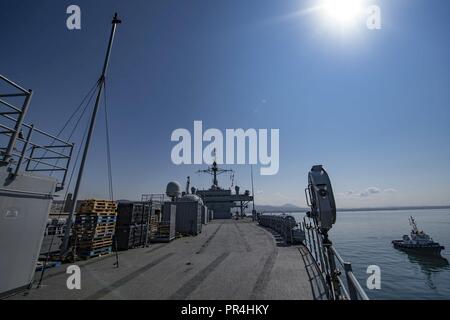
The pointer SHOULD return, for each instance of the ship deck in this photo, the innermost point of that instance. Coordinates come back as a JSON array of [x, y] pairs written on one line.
[[229, 260]]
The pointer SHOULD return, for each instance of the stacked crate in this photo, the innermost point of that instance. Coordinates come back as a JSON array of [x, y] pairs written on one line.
[[132, 225], [94, 228]]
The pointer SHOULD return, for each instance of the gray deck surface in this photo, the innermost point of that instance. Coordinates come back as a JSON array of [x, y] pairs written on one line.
[[230, 260]]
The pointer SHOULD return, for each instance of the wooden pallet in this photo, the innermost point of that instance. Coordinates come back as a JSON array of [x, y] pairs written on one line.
[[95, 202], [93, 229], [95, 253], [93, 245], [94, 236], [98, 205], [80, 219], [94, 226], [99, 212]]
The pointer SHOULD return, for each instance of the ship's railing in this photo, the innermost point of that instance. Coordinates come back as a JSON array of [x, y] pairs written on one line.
[[154, 197], [283, 224], [22, 144], [337, 273]]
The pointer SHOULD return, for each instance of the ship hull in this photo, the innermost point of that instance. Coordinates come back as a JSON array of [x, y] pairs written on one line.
[[433, 249]]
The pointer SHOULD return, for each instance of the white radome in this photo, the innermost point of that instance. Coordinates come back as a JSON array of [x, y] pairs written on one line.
[[173, 189]]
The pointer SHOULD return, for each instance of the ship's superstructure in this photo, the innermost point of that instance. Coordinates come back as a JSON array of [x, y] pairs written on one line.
[[223, 201]]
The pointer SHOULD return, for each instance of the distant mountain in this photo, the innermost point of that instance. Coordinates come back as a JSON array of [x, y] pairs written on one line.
[[284, 208], [289, 205]]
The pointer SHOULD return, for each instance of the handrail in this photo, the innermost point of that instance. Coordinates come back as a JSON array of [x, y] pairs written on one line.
[[13, 84], [343, 285], [340, 285], [37, 130], [284, 225], [154, 197], [20, 148]]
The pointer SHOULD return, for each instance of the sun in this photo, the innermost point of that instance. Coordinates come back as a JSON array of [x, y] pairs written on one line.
[[342, 12]]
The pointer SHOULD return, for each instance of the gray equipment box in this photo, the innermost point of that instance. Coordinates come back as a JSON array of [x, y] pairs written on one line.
[[189, 217], [24, 207]]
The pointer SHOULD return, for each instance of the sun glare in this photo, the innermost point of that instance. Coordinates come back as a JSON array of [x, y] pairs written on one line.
[[344, 12]]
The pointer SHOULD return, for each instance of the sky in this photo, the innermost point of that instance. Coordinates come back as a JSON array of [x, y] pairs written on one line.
[[371, 106]]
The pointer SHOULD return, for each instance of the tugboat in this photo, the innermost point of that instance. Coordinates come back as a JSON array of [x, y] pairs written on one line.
[[418, 242]]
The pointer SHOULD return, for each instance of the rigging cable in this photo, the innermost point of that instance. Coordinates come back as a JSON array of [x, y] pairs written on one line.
[[91, 92], [109, 164], [47, 258], [74, 128]]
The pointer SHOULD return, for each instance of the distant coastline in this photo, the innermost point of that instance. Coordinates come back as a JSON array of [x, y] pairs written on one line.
[[291, 208]]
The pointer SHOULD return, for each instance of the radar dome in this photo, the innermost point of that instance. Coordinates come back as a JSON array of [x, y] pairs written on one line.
[[173, 189]]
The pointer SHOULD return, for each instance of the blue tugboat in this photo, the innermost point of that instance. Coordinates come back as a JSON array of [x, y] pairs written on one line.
[[419, 242]]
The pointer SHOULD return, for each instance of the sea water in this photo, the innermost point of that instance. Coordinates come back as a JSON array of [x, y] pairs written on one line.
[[364, 238]]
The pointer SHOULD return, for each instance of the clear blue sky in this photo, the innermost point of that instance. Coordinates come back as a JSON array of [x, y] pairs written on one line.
[[371, 106]]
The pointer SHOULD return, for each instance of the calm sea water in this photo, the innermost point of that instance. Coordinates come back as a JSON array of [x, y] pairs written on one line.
[[364, 238]]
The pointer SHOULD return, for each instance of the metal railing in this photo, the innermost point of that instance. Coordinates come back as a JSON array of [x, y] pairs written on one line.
[[337, 273], [22, 143], [284, 225], [154, 203], [155, 197]]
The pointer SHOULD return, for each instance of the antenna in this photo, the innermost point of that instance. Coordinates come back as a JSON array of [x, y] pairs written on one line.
[[412, 221], [188, 184], [100, 86], [253, 191], [214, 170]]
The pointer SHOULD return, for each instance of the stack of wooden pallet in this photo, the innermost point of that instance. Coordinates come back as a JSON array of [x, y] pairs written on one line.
[[94, 227]]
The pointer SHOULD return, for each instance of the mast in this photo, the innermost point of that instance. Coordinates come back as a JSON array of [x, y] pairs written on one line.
[[100, 87], [214, 170], [413, 225]]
